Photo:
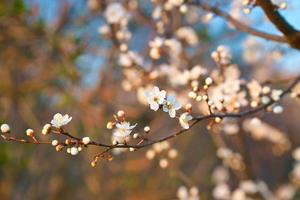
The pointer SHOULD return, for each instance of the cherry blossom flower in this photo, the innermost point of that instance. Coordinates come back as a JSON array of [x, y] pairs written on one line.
[[221, 191], [188, 34], [171, 105], [286, 191], [122, 132], [114, 13], [155, 97], [184, 120], [60, 120]]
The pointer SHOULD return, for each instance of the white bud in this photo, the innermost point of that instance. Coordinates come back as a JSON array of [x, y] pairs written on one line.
[[150, 154], [74, 151], [208, 81], [68, 150], [192, 95], [120, 113], [194, 191], [29, 132], [283, 5], [199, 98], [114, 142], [173, 153], [247, 10], [46, 129], [266, 89], [214, 55], [79, 148], [86, 140], [131, 149], [265, 99], [146, 128], [5, 128], [183, 9], [163, 163], [210, 102], [278, 109], [136, 135], [54, 142]]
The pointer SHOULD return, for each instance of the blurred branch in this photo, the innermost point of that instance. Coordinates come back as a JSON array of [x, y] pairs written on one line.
[[271, 11], [237, 24]]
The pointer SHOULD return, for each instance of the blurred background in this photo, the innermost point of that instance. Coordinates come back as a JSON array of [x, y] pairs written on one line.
[[53, 59]]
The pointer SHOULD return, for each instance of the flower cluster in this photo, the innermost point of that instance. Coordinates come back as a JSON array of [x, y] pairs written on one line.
[[245, 190], [262, 131], [231, 159], [121, 128], [157, 98], [73, 145], [222, 56], [164, 152]]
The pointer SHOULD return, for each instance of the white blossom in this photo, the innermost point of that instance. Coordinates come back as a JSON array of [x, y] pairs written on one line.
[[60, 120], [150, 154], [163, 163], [114, 13], [155, 97], [74, 151], [188, 34], [248, 186], [239, 194], [220, 174], [286, 192], [171, 105], [296, 154], [221, 191], [278, 109], [172, 153], [122, 132], [184, 120]]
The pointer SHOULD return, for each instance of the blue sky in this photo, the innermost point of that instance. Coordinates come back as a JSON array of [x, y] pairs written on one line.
[[290, 62]]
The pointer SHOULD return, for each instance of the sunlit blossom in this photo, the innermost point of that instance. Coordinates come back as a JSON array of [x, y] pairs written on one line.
[[171, 105], [155, 98], [60, 120]]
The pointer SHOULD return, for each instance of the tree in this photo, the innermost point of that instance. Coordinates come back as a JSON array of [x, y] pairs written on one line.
[[166, 70]]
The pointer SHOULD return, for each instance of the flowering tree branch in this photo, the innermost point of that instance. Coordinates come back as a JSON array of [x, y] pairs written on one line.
[[291, 33], [237, 24], [142, 141]]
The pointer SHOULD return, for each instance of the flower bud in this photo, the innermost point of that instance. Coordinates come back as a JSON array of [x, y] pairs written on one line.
[[86, 140], [54, 142], [146, 129], [5, 128], [46, 129], [29, 132]]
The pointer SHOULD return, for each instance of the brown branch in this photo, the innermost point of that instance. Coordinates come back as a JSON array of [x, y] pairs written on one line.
[[211, 116], [271, 11], [173, 135], [239, 25]]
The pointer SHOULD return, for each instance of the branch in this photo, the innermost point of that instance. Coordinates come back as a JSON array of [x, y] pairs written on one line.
[[144, 142], [239, 25], [271, 10]]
